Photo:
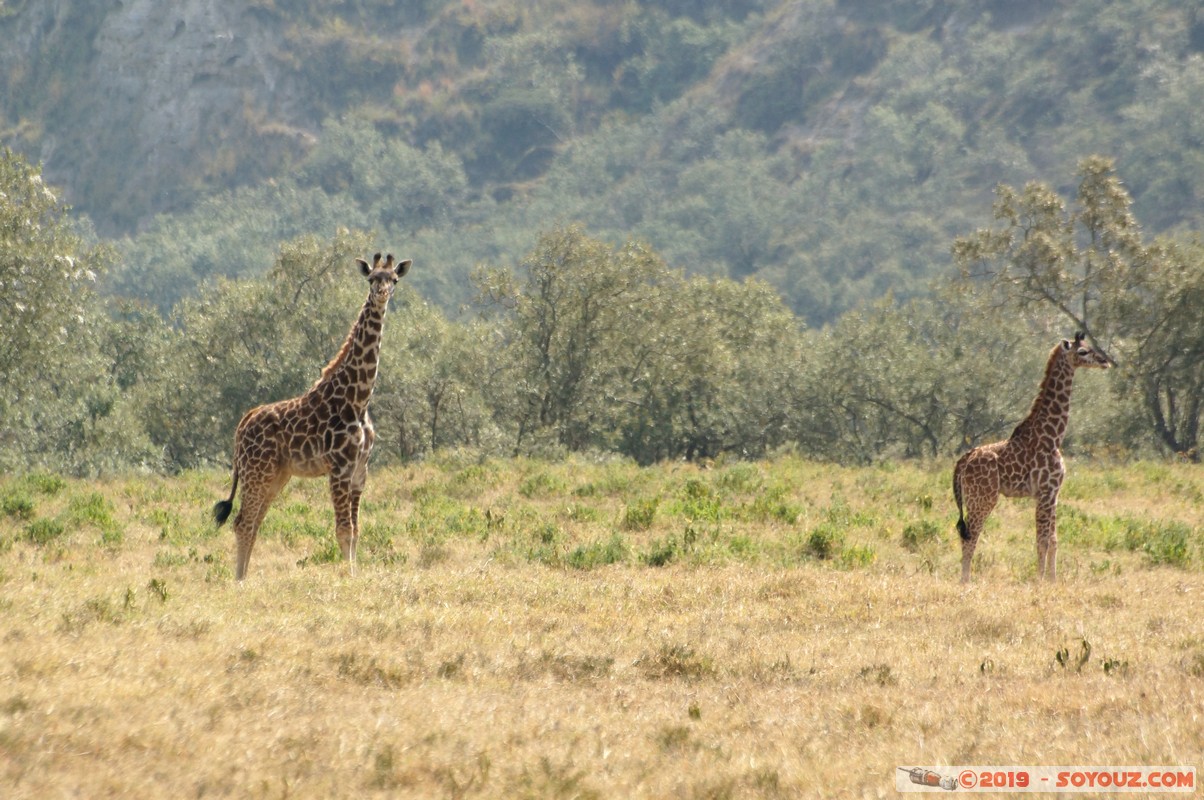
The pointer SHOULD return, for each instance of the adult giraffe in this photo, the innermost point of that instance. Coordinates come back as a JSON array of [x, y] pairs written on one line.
[[1029, 464], [326, 431]]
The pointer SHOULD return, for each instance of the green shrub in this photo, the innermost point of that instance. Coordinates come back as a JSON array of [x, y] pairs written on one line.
[[741, 477], [596, 554], [1168, 544], [94, 509], [857, 556], [45, 483], [43, 531], [638, 516], [663, 552], [544, 545], [742, 546], [541, 484], [824, 542], [17, 504], [326, 553], [917, 534], [772, 506], [699, 502]]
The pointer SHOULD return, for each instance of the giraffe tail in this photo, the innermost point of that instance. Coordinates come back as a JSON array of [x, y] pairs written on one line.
[[222, 508], [962, 530]]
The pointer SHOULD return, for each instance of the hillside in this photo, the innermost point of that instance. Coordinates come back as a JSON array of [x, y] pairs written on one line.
[[832, 148]]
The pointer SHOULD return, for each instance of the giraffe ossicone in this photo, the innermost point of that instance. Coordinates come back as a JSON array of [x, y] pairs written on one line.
[[1029, 463], [325, 432]]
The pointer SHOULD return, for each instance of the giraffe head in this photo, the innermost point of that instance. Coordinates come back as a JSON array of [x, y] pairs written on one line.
[[1081, 354], [383, 277]]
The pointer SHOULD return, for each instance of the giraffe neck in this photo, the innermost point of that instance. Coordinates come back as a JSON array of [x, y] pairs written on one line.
[[1051, 409], [351, 374]]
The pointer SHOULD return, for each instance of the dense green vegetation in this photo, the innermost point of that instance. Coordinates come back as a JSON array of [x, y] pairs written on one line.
[[669, 232], [832, 149], [592, 348]]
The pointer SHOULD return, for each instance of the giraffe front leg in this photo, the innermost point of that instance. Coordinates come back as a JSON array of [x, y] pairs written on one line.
[[359, 479], [344, 527], [1047, 537], [356, 491]]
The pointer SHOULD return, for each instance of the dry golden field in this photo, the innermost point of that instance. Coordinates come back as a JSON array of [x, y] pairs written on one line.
[[522, 629]]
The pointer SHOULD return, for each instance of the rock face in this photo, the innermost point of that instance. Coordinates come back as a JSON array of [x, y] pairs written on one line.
[[155, 85], [170, 71]]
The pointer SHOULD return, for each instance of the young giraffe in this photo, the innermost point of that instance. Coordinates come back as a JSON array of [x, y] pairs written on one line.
[[1029, 464], [326, 431]]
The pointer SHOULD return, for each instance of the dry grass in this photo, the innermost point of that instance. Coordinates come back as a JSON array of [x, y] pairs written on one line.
[[590, 630]]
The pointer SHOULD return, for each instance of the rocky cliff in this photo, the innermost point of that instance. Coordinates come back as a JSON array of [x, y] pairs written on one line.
[[132, 100]]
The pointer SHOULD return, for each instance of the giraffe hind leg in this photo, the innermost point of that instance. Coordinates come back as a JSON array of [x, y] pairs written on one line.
[[255, 503], [969, 542], [976, 489], [976, 519]]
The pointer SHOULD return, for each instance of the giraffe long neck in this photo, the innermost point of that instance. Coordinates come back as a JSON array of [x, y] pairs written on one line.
[[1051, 408], [353, 370]]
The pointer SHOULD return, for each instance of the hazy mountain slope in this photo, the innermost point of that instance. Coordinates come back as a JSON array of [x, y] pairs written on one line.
[[832, 148]]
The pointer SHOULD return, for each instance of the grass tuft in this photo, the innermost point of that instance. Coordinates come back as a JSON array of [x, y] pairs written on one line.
[[675, 661]]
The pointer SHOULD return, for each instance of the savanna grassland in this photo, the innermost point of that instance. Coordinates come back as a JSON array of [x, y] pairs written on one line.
[[591, 629]]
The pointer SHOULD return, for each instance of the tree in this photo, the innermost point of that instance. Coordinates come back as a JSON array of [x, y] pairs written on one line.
[[710, 371], [398, 186], [436, 397], [1090, 267], [61, 398], [912, 379], [568, 323], [1160, 316], [608, 349], [1049, 257]]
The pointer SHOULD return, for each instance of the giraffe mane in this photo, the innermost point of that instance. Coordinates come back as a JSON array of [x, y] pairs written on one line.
[[1050, 364], [341, 356]]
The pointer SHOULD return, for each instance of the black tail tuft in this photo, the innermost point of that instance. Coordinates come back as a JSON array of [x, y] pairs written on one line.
[[222, 508], [962, 530]]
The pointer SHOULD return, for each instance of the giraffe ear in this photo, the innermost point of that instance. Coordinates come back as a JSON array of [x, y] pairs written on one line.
[[403, 267], [364, 268], [1066, 344]]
